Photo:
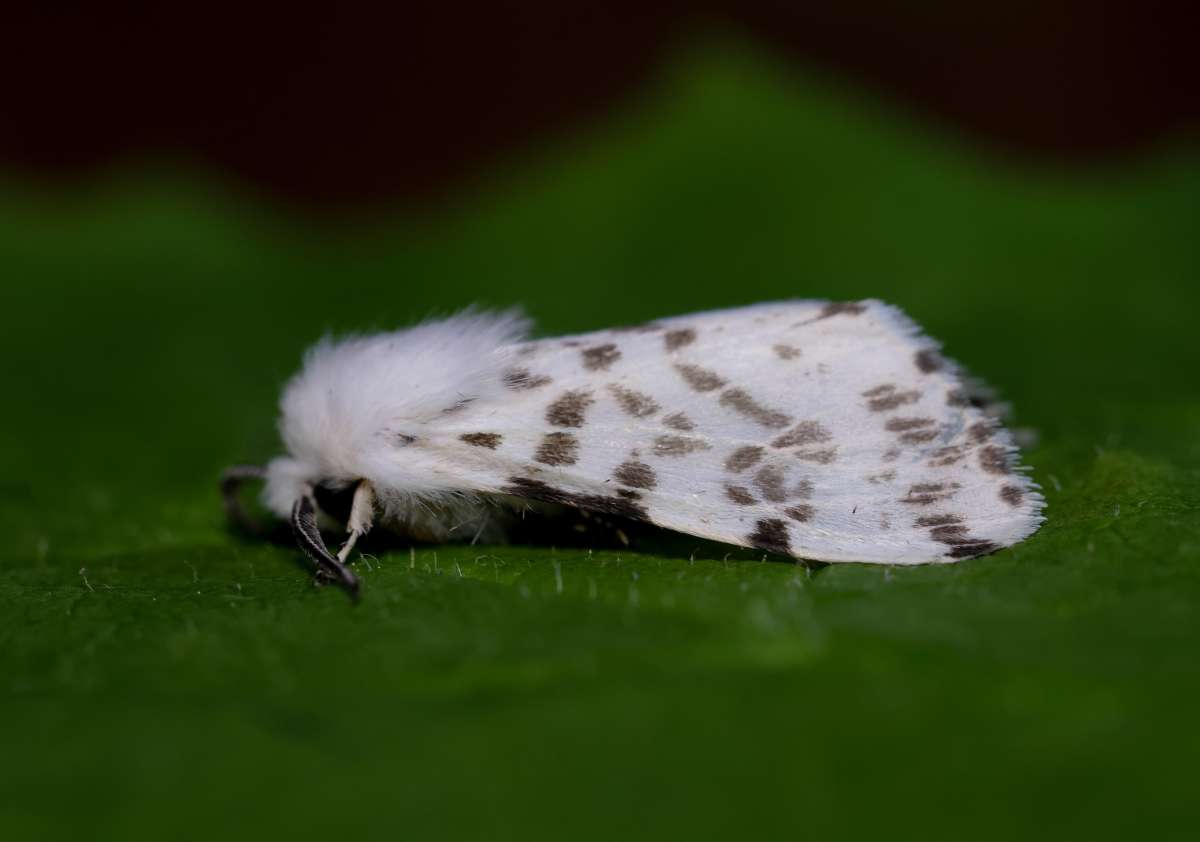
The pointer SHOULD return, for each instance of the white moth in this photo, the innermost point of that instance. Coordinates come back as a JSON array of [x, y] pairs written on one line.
[[826, 431]]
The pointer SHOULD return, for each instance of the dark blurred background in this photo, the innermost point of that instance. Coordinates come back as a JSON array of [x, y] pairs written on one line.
[[330, 106]]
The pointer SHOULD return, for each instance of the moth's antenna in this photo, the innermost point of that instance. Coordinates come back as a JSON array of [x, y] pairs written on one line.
[[304, 527], [231, 483]]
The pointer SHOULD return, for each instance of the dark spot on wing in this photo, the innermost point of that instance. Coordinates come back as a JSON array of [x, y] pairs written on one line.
[[637, 404], [806, 432], [520, 379], [674, 339], [770, 534], [533, 489], [924, 493], [886, 476], [980, 431], [944, 456], [927, 360], [569, 409], [489, 440], [844, 308], [558, 449], [949, 530], [740, 401], [826, 456], [678, 445], [993, 459], [1011, 494], [600, 357], [901, 425], [802, 490], [938, 520], [679, 421], [628, 495], [740, 495], [918, 436], [700, 379], [950, 534], [974, 549], [635, 474], [743, 458], [802, 513], [769, 482], [884, 398], [786, 352]]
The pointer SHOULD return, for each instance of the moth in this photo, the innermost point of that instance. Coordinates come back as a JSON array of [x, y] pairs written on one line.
[[831, 431]]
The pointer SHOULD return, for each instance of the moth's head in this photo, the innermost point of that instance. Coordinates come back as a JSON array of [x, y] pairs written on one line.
[[287, 479]]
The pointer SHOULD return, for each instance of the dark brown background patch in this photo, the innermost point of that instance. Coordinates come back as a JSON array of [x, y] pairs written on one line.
[[331, 106]]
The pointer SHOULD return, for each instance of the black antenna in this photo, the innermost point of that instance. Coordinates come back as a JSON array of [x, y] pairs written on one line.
[[304, 527]]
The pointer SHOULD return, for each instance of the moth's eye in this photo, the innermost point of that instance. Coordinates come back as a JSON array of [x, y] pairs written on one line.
[[335, 499]]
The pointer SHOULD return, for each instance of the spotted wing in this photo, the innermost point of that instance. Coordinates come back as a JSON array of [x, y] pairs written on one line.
[[826, 431]]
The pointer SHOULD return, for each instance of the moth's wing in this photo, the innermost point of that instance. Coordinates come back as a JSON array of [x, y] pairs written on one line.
[[835, 432]]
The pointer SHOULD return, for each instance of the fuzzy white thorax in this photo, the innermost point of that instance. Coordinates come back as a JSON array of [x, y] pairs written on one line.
[[347, 415]]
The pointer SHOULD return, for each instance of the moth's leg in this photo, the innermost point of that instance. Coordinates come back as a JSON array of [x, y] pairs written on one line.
[[304, 527], [231, 483], [362, 515]]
